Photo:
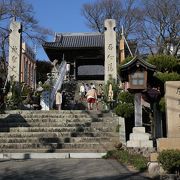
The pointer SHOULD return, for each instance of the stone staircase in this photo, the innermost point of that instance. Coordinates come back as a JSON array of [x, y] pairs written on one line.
[[67, 131]]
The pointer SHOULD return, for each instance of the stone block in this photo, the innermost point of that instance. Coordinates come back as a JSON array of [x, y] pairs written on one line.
[[168, 143], [153, 169], [153, 157], [134, 143], [138, 129], [87, 155], [49, 155], [34, 155], [146, 143], [139, 136], [140, 143]]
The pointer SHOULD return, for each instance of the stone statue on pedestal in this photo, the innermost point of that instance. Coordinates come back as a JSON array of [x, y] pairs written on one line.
[[110, 93]]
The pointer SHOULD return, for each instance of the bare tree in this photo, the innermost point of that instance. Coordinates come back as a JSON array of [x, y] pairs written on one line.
[[160, 26], [23, 12], [126, 14]]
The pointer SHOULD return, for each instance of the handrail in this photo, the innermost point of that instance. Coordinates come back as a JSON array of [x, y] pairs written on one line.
[[58, 82]]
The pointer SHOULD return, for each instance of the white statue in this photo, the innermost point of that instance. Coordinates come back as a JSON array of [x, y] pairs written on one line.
[[110, 93]]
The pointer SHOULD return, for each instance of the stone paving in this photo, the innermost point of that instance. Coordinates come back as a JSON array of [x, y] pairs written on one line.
[[66, 169]]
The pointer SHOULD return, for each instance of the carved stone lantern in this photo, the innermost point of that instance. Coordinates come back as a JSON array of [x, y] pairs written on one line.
[[136, 74]]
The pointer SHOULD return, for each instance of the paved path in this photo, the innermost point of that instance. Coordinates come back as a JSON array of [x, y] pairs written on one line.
[[66, 169]]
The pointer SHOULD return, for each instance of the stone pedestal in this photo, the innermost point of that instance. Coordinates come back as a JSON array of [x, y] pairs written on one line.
[[139, 138]]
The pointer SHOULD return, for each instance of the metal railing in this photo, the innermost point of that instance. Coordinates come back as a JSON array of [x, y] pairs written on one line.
[[58, 81]]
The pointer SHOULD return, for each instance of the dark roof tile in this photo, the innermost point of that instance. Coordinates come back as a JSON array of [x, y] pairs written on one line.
[[76, 40]]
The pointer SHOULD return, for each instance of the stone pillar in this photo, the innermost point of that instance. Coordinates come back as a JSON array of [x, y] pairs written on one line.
[[172, 99], [139, 138], [138, 110], [122, 130], [15, 44], [110, 50], [121, 50]]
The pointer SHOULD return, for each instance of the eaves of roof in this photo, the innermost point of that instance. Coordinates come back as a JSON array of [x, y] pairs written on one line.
[[141, 62]]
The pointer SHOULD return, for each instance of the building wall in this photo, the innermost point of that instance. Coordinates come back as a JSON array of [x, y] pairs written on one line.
[[28, 66]]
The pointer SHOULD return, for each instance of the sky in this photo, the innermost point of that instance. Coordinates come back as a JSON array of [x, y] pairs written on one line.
[[59, 16]]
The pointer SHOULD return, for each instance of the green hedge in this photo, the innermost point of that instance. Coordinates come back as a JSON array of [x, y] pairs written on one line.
[[123, 156], [125, 106], [170, 160]]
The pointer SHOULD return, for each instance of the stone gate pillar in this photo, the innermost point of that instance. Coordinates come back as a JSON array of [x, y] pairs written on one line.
[[110, 50], [15, 48], [172, 99]]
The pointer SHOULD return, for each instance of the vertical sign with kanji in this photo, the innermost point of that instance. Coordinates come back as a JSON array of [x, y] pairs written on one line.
[[15, 43], [110, 50]]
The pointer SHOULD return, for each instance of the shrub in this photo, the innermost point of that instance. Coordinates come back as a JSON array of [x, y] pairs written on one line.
[[163, 63], [139, 162], [126, 97], [125, 110], [170, 160], [125, 107], [110, 154], [162, 105], [123, 156], [173, 76], [46, 87]]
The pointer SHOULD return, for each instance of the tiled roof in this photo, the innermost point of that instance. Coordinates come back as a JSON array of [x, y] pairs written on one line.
[[142, 62], [76, 40]]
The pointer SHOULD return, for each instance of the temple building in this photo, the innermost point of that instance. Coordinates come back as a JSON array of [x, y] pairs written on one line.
[[84, 52]]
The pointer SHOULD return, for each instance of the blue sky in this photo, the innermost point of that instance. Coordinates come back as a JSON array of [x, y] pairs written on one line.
[[59, 16]]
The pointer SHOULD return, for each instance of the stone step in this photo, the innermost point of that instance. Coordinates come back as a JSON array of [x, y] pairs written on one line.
[[34, 134], [45, 124], [73, 113], [56, 116], [109, 126], [55, 120], [14, 127], [64, 128], [29, 116], [47, 129], [50, 119], [54, 131], [58, 139], [93, 139], [52, 146], [47, 150], [47, 112], [56, 134]]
